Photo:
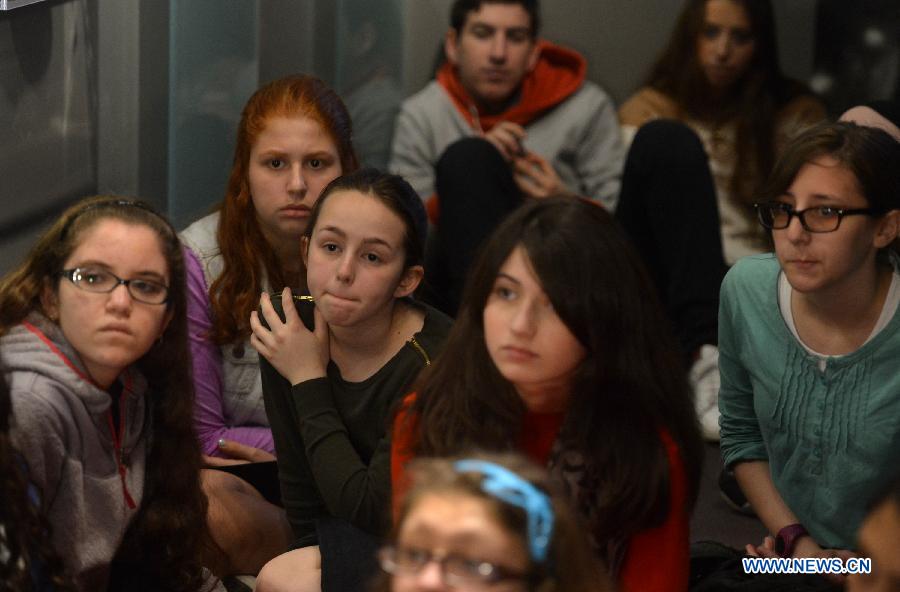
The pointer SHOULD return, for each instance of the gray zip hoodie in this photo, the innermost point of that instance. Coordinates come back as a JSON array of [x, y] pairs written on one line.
[[90, 474]]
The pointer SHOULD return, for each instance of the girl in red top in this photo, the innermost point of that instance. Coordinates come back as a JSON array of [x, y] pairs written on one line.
[[560, 350]]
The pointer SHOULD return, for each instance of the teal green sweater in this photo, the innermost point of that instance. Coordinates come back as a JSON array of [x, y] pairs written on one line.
[[832, 438]]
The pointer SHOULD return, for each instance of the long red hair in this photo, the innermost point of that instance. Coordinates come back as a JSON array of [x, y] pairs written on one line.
[[247, 255]]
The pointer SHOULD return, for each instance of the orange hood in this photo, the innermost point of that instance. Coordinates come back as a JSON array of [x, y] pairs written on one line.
[[559, 73]]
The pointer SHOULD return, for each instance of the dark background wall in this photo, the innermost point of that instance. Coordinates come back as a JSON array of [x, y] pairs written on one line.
[[141, 97]]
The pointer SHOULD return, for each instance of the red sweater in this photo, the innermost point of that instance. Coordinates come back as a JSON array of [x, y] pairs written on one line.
[[657, 558]]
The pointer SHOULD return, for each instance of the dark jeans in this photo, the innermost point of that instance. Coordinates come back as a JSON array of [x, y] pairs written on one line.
[[668, 207], [348, 555], [476, 191]]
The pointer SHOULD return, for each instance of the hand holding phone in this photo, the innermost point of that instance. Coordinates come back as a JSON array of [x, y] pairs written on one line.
[[507, 137], [303, 303], [297, 347]]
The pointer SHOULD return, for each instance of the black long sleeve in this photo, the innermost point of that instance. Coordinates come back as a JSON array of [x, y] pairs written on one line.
[[333, 441]]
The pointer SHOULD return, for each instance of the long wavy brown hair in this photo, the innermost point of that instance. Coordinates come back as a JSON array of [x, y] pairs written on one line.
[[247, 255], [24, 532], [630, 386], [161, 549], [753, 101]]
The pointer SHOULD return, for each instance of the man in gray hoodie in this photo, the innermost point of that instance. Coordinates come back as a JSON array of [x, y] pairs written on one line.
[[508, 117]]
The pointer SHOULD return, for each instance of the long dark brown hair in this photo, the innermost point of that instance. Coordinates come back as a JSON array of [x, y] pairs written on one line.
[[630, 386], [247, 255], [753, 101], [24, 532], [161, 549]]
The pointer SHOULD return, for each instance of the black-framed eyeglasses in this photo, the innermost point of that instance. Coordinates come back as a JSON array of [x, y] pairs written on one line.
[[102, 282], [457, 570], [775, 215]]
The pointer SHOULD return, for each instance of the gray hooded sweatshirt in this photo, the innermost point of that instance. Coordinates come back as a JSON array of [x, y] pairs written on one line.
[[89, 475]]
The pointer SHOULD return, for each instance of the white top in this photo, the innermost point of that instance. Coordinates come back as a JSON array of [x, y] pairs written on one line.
[[891, 303]]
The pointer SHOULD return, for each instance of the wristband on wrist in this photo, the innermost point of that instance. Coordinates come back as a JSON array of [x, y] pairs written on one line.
[[787, 537]]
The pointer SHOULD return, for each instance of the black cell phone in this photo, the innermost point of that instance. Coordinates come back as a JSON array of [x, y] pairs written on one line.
[[520, 150], [304, 305], [263, 476]]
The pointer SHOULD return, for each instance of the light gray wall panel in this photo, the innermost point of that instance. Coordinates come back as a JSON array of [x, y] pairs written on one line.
[[48, 98]]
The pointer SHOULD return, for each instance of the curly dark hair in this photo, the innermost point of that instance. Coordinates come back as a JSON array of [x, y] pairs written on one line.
[[163, 544]]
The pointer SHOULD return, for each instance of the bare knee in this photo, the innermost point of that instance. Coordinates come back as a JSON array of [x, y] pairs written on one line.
[[299, 570], [213, 480], [247, 529]]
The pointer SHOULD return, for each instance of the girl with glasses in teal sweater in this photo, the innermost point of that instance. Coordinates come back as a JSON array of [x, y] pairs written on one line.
[[809, 339]]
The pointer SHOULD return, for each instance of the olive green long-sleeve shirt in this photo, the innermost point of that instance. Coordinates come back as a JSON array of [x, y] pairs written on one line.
[[332, 438]]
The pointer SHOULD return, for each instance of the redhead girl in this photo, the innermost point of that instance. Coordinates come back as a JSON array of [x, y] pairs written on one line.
[[560, 351], [810, 339], [489, 522], [330, 391], [94, 347], [293, 139]]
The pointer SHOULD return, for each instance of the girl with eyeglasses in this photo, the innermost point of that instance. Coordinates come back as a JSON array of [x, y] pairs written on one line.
[[561, 352], [94, 348], [809, 339], [489, 522]]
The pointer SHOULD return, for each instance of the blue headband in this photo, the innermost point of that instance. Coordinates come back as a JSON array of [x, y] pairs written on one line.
[[507, 486]]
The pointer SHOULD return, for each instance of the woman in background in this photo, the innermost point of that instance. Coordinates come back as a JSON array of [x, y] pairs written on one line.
[[707, 126]]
